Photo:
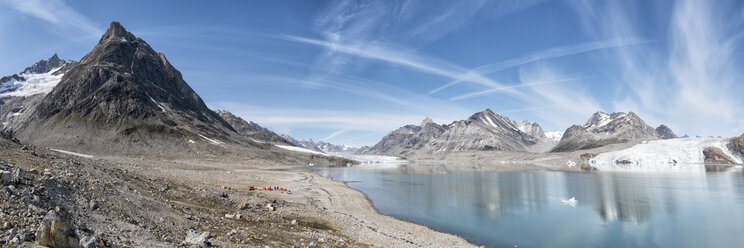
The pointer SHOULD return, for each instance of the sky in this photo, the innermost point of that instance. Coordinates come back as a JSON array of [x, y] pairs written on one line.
[[349, 72]]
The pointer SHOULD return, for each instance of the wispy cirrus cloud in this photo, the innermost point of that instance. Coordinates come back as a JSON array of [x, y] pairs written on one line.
[[538, 56], [690, 82], [334, 135], [57, 13], [521, 85], [401, 58]]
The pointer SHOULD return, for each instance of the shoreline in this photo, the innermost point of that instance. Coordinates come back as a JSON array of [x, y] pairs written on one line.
[[348, 210], [377, 211]]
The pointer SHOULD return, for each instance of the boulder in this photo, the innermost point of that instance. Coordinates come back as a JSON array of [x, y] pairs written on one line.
[[55, 230], [201, 240], [5, 177], [88, 242], [17, 175]]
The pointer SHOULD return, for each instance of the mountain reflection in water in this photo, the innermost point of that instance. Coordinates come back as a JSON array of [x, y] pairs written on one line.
[[614, 209]]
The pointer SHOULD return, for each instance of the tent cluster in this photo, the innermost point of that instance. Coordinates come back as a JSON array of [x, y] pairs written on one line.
[[272, 188]]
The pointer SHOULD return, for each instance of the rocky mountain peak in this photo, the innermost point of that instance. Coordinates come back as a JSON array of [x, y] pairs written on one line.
[[602, 129], [44, 66], [665, 132], [126, 90], [426, 120], [117, 32]]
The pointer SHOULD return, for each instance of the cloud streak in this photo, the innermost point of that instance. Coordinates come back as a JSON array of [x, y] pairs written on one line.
[[522, 85], [690, 82], [538, 56], [57, 13]]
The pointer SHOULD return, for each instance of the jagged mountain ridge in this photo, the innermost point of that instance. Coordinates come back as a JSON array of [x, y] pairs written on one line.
[[482, 131], [41, 76], [21, 91], [251, 129], [603, 129], [320, 146], [123, 96]]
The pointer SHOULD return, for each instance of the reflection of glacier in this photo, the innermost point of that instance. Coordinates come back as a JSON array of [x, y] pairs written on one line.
[[627, 197], [506, 208], [685, 154]]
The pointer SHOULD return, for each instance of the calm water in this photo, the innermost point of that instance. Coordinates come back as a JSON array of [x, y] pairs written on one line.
[[504, 209]]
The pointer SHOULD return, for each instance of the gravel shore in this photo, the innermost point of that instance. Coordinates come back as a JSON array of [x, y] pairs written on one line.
[[146, 202]]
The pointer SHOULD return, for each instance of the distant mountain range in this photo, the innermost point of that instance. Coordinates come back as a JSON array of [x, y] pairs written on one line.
[[488, 131], [321, 146], [483, 131]]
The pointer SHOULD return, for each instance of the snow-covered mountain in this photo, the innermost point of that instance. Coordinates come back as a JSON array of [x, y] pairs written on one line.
[[602, 129], [39, 78], [484, 130], [21, 91], [320, 146]]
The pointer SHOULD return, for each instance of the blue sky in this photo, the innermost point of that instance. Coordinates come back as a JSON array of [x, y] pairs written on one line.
[[351, 71]]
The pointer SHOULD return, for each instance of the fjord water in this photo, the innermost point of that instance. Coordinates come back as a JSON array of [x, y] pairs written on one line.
[[525, 209]]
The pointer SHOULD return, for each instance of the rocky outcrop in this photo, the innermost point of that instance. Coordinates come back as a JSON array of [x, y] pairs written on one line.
[[665, 132], [252, 130], [603, 129], [736, 146], [714, 155], [483, 131], [716, 159], [55, 230]]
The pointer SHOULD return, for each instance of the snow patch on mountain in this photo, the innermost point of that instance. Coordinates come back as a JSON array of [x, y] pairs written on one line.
[[213, 141], [35, 83], [72, 153], [554, 136], [660, 155], [299, 149]]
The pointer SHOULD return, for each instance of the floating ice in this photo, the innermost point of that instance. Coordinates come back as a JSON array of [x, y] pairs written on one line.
[[570, 202]]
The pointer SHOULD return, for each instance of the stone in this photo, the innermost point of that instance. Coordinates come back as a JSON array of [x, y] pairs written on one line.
[[93, 205], [55, 230], [294, 222], [5, 177], [201, 240], [88, 242]]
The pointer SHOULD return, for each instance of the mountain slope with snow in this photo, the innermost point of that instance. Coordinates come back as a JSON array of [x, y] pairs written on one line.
[[483, 131], [602, 129], [19, 92]]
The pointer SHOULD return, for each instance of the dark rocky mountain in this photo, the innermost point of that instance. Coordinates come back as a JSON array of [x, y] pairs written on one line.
[[665, 132], [252, 130], [603, 129], [481, 131], [124, 97]]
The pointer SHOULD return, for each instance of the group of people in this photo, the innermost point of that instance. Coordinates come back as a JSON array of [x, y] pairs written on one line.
[[280, 189]]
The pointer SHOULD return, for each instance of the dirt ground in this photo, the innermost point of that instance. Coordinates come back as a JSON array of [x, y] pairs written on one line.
[[141, 202]]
